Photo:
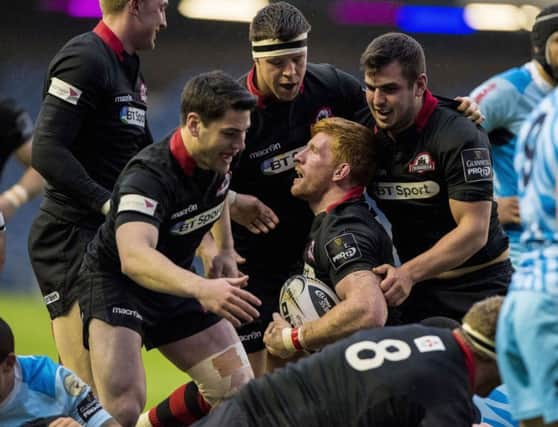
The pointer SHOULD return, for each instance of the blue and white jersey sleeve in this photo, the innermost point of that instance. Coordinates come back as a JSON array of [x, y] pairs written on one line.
[[44, 389], [79, 401]]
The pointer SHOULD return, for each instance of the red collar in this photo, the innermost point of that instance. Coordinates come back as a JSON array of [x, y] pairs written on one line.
[[181, 154], [353, 193], [428, 106], [256, 92], [469, 358], [110, 39]]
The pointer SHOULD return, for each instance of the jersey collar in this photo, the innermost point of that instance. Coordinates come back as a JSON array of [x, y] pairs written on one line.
[[251, 86], [181, 154], [469, 359], [353, 193], [428, 106], [110, 39]]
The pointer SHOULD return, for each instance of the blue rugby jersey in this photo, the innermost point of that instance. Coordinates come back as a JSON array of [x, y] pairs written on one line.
[[43, 389], [506, 100], [536, 164]]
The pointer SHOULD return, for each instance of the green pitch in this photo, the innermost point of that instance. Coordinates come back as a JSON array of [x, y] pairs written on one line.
[[30, 322]]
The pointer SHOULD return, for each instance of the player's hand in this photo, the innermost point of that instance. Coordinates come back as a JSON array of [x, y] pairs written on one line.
[[225, 264], [225, 298], [7, 208], [470, 109], [396, 283], [64, 422], [253, 214], [273, 338], [508, 210]]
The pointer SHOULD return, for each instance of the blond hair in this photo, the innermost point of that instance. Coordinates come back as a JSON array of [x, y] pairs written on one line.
[[479, 326], [109, 7]]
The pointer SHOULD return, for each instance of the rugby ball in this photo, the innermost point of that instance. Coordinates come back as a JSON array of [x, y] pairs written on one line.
[[303, 299]]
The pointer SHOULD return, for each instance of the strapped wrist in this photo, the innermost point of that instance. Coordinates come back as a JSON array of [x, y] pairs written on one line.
[[2, 223], [17, 195]]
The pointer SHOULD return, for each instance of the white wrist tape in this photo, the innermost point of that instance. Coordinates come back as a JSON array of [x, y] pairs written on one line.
[[2, 223]]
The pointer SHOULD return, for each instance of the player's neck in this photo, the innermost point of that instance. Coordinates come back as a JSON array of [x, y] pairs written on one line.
[[7, 386], [121, 29], [486, 376], [329, 198], [545, 76]]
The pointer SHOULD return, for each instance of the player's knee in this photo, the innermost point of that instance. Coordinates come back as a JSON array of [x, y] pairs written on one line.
[[222, 374], [125, 410]]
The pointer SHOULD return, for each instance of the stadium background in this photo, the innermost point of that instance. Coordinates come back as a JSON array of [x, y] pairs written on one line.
[[30, 36]]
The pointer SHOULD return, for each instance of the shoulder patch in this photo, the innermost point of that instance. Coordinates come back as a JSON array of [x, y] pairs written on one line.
[[476, 164], [428, 343], [342, 249], [73, 385], [137, 203], [64, 91]]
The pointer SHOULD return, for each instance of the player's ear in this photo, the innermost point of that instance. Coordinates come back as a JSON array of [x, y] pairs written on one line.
[[421, 85], [134, 6], [342, 171], [193, 123]]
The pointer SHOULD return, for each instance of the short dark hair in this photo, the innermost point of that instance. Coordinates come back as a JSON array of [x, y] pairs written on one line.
[[279, 20], [390, 47], [353, 144], [6, 340], [212, 94]]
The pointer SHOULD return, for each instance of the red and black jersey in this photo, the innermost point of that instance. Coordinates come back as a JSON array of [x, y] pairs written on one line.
[[162, 186], [346, 238], [442, 156], [16, 128], [278, 131], [92, 122], [404, 376]]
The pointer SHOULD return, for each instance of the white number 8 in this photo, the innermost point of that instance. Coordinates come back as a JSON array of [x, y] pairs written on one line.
[[400, 351]]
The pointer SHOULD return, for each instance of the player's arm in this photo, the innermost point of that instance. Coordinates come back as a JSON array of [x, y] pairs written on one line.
[[29, 186], [58, 127], [362, 306], [467, 238], [223, 259], [145, 265]]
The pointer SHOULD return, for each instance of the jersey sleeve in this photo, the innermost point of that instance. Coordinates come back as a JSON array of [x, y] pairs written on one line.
[[466, 161], [73, 88], [351, 244], [496, 99], [141, 196], [79, 401]]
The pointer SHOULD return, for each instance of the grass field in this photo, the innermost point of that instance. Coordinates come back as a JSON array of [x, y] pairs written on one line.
[[30, 322]]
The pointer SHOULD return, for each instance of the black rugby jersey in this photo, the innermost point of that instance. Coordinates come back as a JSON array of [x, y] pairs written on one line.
[[92, 122], [266, 167], [442, 156], [16, 128], [346, 238], [404, 376], [163, 186]]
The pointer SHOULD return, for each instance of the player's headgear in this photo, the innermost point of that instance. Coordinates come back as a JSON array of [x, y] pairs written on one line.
[[6, 340], [479, 326], [546, 24]]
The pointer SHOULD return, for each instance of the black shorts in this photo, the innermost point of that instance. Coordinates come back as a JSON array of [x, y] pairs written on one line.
[[56, 249], [159, 318], [267, 287], [453, 297]]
